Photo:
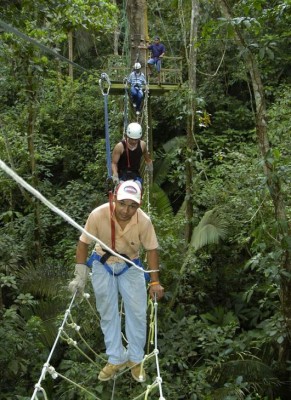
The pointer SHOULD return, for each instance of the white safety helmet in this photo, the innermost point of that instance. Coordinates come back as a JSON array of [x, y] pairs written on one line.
[[134, 131], [137, 65]]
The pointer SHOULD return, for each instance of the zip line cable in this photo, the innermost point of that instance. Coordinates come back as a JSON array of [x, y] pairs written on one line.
[[11, 29]]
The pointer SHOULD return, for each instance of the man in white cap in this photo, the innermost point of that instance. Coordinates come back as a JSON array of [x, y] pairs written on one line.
[[125, 228]]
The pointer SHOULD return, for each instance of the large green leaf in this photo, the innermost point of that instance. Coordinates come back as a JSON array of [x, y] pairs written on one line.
[[160, 201], [210, 229]]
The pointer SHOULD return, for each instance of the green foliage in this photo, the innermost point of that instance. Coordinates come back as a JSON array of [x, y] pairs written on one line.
[[16, 355], [210, 229], [224, 337]]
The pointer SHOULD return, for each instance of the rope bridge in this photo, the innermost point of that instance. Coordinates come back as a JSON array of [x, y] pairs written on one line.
[[69, 322]]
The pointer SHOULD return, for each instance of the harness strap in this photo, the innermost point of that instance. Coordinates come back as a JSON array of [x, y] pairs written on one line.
[[111, 210], [108, 269], [104, 258], [104, 83], [106, 255], [125, 123], [127, 154]]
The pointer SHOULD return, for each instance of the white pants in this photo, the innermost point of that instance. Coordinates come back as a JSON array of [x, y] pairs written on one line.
[[132, 287]]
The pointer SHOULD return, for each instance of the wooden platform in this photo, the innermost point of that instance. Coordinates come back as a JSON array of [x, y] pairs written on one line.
[[171, 75], [154, 88]]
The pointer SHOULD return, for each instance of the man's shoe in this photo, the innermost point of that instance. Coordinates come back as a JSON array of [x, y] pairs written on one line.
[[138, 113], [134, 105], [137, 371], [110, 370]]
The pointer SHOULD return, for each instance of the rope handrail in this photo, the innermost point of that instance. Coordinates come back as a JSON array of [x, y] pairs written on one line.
[[62, 214], [46, 365]]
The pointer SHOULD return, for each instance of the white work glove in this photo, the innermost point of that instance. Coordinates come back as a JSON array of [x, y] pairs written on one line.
[[149, 167], [79, 282], [115, 179]]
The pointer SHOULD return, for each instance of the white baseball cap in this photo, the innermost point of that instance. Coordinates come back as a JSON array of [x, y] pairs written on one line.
[[129, 190]]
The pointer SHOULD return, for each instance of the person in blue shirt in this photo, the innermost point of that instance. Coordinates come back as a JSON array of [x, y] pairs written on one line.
[[157, 53], [137, 82]]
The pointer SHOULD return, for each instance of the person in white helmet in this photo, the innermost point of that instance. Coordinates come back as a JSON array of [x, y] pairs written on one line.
[[124, 228], [137, 82], [127, 155]]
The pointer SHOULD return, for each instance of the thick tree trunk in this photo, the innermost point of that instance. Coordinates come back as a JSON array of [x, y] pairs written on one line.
[[273, 180], [138, 30]]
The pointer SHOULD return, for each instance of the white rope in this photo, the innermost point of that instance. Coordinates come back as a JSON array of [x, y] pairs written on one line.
[[62, 214], [46, 365], [156, 351]]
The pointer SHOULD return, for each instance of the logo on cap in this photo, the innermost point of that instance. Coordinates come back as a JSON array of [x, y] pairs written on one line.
[[130, 189]]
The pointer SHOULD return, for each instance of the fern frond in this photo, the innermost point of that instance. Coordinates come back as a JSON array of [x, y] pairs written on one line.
[[160, 201], [210, 230]]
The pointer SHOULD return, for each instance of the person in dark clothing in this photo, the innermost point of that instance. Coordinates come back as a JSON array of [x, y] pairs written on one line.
[[127, 154], [157, 53]]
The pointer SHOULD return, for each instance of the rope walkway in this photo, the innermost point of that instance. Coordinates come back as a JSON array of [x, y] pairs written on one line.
[[62, 334]]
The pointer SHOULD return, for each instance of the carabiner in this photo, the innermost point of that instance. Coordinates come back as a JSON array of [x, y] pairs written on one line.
[[104, 79]]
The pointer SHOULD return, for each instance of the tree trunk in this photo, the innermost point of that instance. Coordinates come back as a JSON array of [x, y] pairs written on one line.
[[273, 181], [70, 45], [31, 149], [138, 30], [116, 37], [192, 65]]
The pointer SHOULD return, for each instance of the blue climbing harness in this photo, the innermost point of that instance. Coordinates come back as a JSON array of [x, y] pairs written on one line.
[[102, 259]]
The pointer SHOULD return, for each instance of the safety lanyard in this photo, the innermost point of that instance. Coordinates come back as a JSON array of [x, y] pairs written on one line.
[[111, 210], [127, 154], [125, 106], [104, 83]]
